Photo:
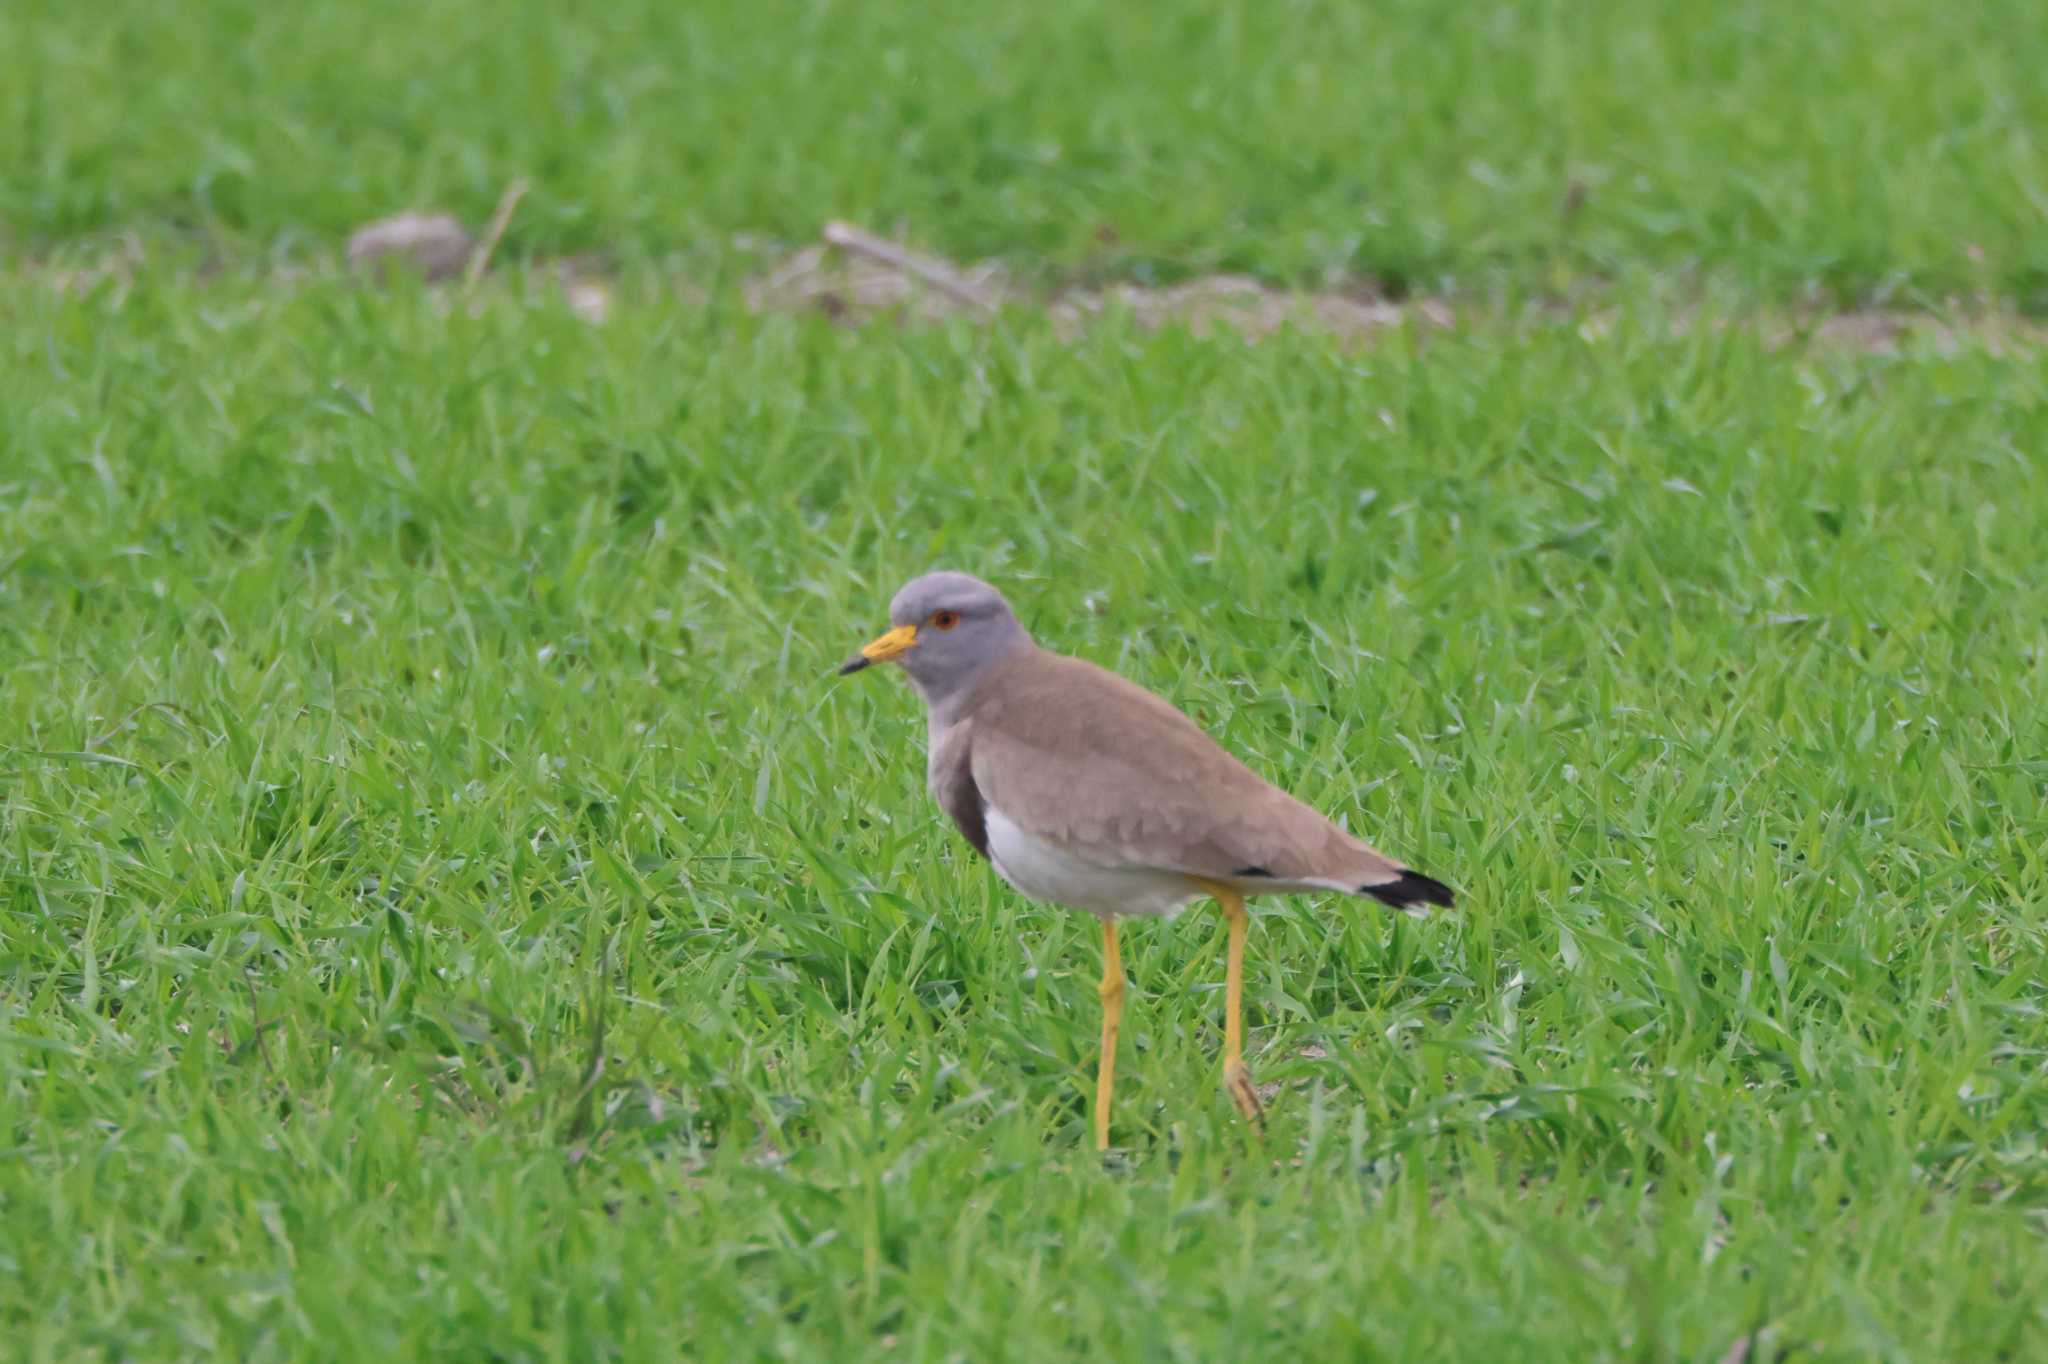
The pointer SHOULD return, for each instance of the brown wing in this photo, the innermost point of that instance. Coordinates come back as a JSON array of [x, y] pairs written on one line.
[[1073, 753], [951, 779]]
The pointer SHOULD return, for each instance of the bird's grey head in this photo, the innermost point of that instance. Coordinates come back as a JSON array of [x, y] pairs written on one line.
[[948, 629]]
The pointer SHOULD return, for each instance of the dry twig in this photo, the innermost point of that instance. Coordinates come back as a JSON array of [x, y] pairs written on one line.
[[930, 269], [480, 259]]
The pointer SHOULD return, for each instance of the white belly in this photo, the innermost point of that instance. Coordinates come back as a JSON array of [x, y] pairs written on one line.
[[1054, 871]]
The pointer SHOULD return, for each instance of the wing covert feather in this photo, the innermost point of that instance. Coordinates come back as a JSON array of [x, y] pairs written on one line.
[[1075, 754]]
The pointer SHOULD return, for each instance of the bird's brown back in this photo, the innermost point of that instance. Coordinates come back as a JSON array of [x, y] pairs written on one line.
[[1073, 753]]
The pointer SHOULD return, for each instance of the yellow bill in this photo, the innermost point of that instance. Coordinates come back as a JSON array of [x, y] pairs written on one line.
[[897, 642]]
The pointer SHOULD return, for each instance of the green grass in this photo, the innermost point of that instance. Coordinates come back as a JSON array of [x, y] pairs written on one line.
[[448, 909], [1868, 146], [401, 710]]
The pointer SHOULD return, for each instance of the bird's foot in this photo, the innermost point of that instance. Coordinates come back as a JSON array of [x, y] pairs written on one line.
[[1237, 1082]]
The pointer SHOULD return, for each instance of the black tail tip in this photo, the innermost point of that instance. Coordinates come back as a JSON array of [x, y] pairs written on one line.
[[1412, 889]]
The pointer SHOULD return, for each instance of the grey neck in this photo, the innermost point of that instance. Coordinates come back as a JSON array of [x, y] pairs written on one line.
[[946, 699]]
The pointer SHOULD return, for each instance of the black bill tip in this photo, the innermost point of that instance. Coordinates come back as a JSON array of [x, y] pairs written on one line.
[[854, 664], [1413, 888]]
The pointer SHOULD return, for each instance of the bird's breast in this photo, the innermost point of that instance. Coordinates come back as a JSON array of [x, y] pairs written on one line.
[[1096, 880]]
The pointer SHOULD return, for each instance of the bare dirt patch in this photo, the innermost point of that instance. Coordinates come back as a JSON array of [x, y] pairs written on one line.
[[855, 277]]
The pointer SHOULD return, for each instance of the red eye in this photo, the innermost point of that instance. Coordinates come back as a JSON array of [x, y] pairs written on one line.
[[945, 620]]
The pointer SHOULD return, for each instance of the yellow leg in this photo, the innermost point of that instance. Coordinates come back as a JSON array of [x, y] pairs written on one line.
[[1112, 991], [1237, 1081]]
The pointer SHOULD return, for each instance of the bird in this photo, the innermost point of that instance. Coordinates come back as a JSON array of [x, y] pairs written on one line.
[[1082, 788]]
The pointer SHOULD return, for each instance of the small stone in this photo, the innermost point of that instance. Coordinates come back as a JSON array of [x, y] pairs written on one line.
[[435, 244]]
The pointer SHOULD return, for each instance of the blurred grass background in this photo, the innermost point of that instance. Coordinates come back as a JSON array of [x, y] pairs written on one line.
[[1865, 147]]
